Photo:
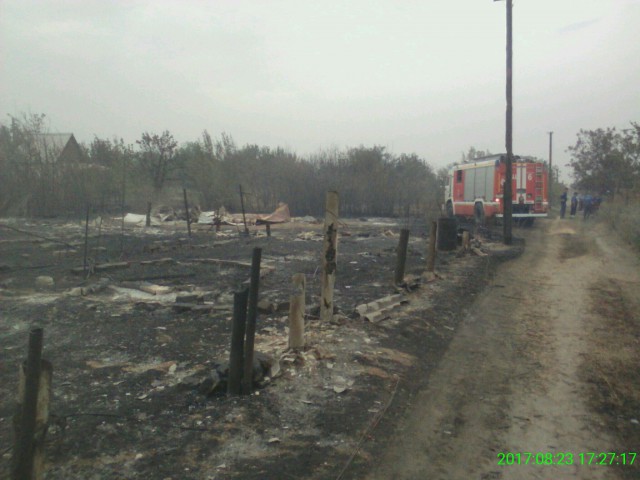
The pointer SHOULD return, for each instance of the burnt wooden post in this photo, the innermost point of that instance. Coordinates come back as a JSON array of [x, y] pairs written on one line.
[[124, 183], [252, 314], [186, 209], [431, 254], [329, 256], [466, 241], [32, 412], [296, 312], [268, 226], [402, 256], [86, 242], [42, 418], [244, 217], [148, 221], [236, 357]]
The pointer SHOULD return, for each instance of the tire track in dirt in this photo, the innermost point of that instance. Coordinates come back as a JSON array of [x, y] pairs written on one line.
[[553, 416], [611, 368], [511, 380]]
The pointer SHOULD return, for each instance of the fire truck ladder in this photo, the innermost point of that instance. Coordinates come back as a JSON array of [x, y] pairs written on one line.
[[539, 187]]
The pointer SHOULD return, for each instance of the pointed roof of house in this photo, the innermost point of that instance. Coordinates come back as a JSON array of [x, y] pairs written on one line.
[[50, 145]]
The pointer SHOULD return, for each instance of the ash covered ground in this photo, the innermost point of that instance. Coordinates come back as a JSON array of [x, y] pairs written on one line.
[[129, 364]]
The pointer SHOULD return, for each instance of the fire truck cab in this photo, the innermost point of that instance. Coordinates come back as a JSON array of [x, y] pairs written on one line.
[[476, 189]]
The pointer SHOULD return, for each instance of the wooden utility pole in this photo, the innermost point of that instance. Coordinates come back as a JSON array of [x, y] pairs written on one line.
[[550, 192], [329, 256], [508, 184]]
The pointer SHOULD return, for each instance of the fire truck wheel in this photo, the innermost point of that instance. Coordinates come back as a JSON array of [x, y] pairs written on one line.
[[478, 213]]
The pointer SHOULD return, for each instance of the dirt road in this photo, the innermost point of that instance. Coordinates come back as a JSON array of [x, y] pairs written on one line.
[[545, 362]]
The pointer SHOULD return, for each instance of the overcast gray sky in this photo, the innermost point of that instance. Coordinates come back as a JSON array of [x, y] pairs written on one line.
[[421, 76]]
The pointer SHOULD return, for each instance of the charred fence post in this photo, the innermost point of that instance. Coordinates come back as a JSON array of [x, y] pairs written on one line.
[[122, 200], [236, 357], [431, 254], [296, 312], [466, 241], [148, 219], [244, 217], [402, 256], [186, 210], [32, 413], [252, 313], [329, 256], [447, 234], [86, 243], [42, 418]]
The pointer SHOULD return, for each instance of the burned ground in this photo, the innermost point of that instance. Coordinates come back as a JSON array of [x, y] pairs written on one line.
[[122, 403]]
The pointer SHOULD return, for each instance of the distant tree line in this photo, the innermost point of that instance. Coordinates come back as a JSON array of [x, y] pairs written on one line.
[[111, 175]]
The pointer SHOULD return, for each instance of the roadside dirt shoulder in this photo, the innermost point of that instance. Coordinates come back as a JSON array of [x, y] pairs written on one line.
[[524, 372]]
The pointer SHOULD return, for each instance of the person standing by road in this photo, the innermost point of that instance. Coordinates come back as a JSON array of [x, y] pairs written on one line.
[[563, 202], [588, 205], [574, 204]]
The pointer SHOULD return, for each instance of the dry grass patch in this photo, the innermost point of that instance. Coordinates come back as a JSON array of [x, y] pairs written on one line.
[[625, 220], [611, 366]]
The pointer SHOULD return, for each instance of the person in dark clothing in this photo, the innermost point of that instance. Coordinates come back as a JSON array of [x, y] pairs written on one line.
[[574, 204], [595, 206], [588, 205], [563, 203]]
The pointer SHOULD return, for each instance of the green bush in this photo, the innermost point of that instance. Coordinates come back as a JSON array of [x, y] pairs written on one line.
[[624, 219]]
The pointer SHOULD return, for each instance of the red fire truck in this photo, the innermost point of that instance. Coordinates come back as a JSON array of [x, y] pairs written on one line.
[[475, 189]]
